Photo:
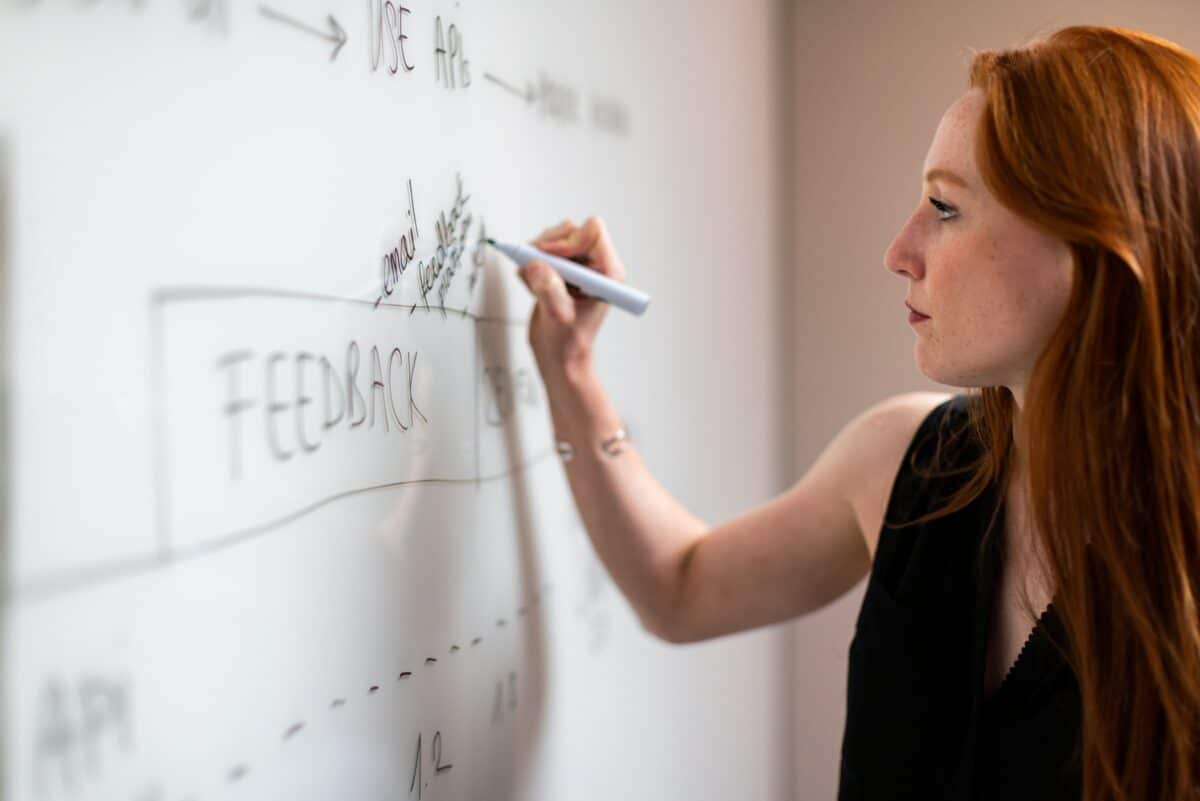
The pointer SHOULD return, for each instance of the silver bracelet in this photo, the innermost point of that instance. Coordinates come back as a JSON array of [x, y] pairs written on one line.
[[614, 444], [611, 446]]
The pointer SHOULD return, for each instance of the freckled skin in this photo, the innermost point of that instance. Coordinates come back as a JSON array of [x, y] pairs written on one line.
[[993, 285]]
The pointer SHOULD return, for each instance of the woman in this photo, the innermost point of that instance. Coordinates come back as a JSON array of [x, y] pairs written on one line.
[[1030, 625]]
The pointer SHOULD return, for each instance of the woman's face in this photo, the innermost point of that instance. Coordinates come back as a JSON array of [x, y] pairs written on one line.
[[993, 285]]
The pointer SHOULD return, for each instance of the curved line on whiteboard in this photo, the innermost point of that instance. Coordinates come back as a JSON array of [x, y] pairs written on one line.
[[48, 586], [191, 294]]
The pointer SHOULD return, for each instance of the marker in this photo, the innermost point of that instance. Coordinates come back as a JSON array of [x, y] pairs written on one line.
[[588, 281]]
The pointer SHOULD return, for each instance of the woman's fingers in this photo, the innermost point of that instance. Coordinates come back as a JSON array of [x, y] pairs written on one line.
[[555, 232], [589, 243], [564, 321], [550, 290]]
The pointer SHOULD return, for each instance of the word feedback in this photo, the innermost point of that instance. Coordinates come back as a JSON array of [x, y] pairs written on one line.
[[299, 398]]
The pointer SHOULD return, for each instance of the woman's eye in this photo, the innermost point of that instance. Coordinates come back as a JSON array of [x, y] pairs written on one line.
[[945, 212]]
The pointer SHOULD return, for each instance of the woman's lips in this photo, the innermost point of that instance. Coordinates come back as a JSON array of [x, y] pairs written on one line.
[[913, 317]]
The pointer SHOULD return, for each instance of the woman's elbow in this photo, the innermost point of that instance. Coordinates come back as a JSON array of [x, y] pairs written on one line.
[[669, 627]]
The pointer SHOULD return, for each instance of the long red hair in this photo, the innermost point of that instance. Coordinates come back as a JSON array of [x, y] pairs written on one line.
[[1093, 134]]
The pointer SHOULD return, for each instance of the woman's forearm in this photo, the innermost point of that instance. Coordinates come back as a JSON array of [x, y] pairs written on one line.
[[641, 533]]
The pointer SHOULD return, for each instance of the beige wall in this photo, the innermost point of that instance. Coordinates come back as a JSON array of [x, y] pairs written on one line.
[[870, 82]]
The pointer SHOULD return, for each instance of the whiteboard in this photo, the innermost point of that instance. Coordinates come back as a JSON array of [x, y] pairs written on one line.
[[284, 518]]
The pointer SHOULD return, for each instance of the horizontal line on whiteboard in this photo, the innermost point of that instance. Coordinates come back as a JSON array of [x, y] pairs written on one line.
[[55, 584], [192, 294]]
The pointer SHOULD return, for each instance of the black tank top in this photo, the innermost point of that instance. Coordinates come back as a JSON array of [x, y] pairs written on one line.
[[917, 723]]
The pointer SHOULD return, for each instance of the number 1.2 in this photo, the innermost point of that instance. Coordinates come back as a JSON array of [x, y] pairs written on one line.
[[418, 783]]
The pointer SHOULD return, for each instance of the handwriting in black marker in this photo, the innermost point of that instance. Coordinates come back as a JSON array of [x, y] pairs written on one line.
[[341, 398], [302, 400], [331, 383], [404, 675], [384, 14], [437, 754], [352, 390], [454, 649], [412, 402], [336, 34], [293, 730], [429, 660], [448, 56], [377, 384], [418, 783], [528, 94], [274, 407], [397, 260], [234, 406], [557, 100], [80, 722], [391, 393], [452, 232], [478, 259], [610, 116], [373, 689], [499, 704]]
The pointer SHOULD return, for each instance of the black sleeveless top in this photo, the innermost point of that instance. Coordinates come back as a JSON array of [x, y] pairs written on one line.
[[917, 723]]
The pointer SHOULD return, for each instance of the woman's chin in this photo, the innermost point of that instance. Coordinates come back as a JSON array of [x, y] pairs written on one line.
[[937, 370]]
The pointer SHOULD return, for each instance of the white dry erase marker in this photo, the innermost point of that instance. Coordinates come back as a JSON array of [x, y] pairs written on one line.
[[589, 282]]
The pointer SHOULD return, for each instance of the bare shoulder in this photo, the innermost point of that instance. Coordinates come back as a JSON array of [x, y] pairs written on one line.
[[875, 441]]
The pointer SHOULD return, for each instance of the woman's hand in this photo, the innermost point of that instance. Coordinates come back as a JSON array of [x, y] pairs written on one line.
[[562, 328]]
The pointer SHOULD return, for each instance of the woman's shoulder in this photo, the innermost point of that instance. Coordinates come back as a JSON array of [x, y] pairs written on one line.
[[884, 435]]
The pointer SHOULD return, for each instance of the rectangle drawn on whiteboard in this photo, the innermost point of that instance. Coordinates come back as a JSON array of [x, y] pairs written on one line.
[[272, 404]]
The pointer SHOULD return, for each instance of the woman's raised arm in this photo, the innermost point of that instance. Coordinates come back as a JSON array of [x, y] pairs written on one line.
[[688, 581]]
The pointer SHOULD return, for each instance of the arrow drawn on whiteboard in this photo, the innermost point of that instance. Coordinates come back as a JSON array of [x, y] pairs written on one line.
[[528, 95], [336, 33]]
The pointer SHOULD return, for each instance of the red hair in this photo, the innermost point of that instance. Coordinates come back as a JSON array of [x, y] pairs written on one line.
[[1093, 135]]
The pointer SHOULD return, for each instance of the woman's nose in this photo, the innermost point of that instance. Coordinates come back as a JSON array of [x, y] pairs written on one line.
[[902, 255]]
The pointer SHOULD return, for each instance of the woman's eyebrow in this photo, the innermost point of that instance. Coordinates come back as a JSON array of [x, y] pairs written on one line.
[[947, 176]]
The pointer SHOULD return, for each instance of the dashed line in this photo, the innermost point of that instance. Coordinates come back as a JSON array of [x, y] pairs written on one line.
[[239, 771]]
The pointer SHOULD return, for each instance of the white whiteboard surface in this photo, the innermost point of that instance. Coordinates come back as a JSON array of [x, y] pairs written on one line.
[[283, 527]]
